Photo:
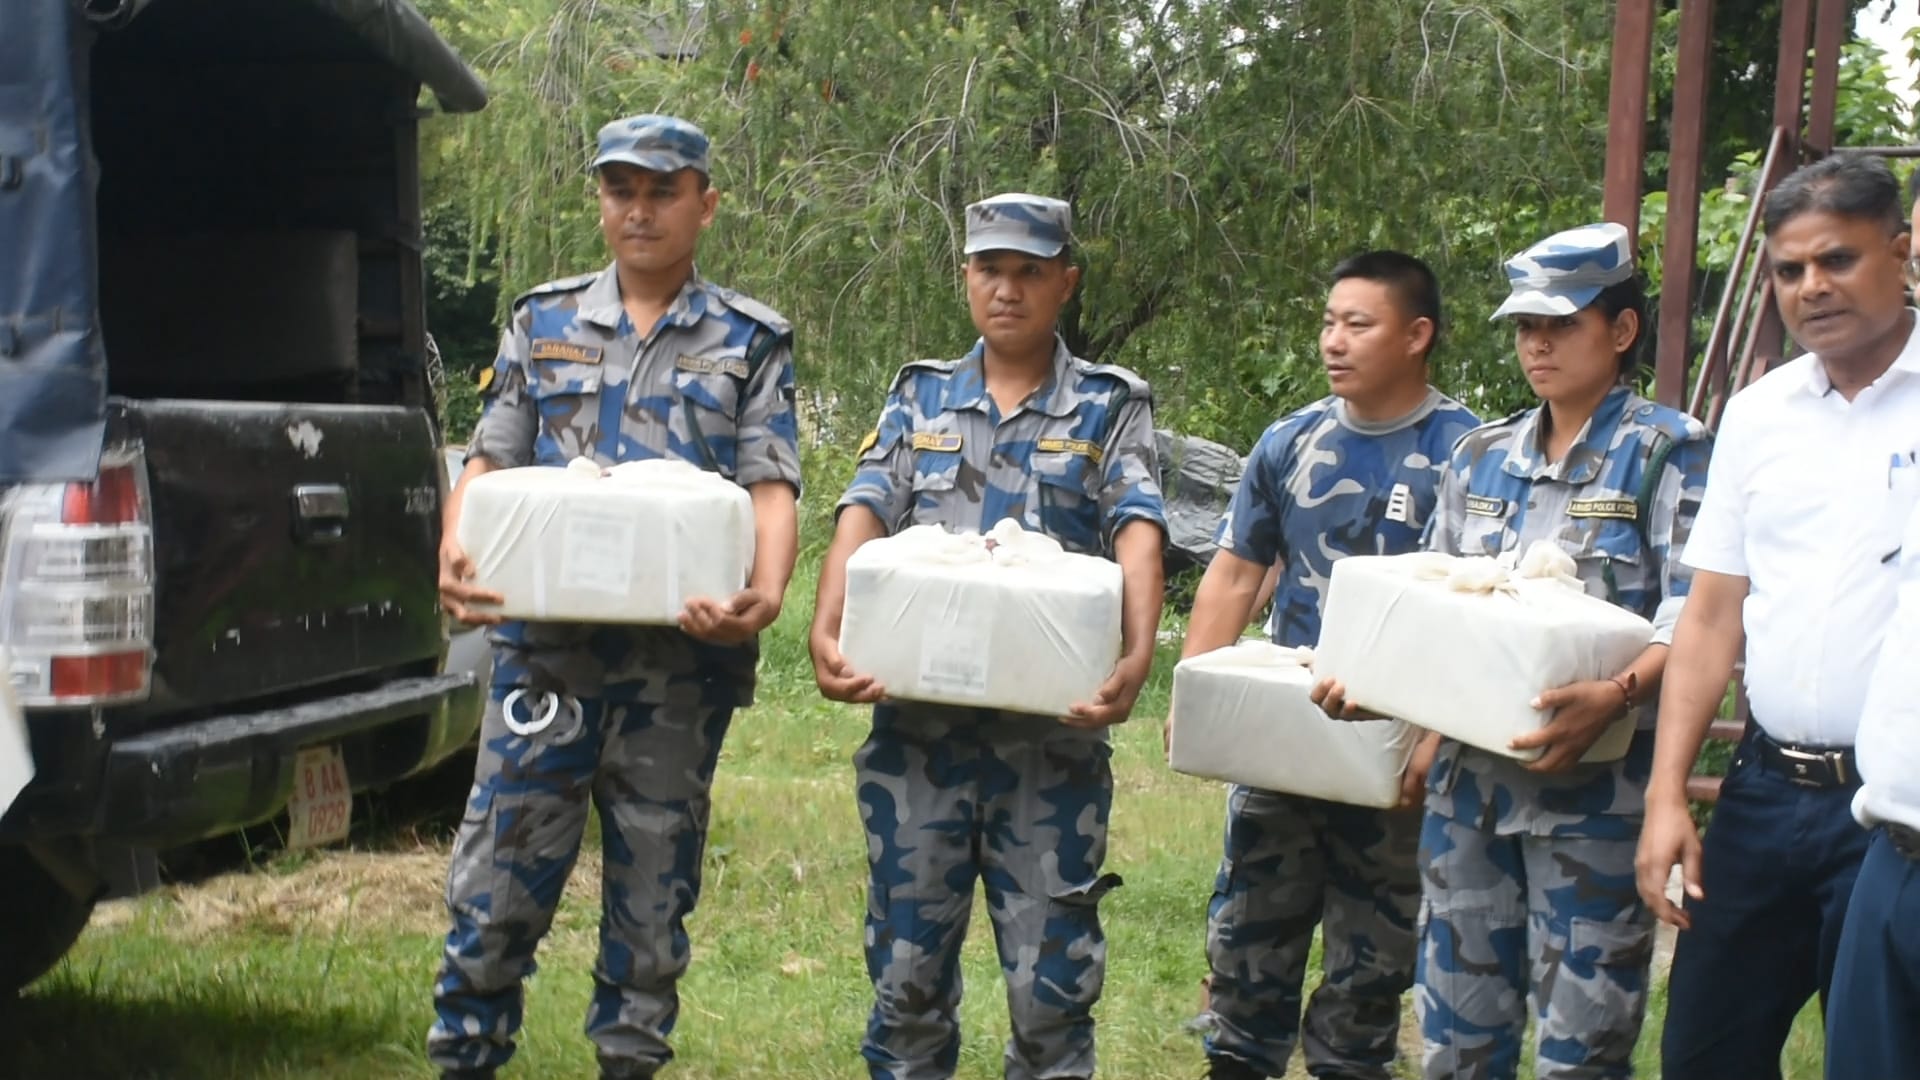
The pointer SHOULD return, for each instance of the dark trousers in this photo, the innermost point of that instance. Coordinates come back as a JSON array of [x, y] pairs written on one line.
[[1873, 1012], [1780, 861]]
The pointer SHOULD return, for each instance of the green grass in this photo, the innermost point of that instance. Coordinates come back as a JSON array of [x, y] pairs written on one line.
[[311, 967]]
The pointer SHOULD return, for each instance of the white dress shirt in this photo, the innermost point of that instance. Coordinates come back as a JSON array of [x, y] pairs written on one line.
[[1805, 501], [1889, 746]]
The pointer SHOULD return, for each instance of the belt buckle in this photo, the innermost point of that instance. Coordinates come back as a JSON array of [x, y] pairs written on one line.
[[1800, 764]]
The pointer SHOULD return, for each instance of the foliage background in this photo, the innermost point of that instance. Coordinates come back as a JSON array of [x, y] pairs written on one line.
[[1221, 155]]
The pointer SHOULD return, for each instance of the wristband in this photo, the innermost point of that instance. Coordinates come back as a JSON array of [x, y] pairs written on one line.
[[1627, 683]]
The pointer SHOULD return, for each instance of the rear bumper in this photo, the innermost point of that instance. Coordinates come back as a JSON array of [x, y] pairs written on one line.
[[219, 774]]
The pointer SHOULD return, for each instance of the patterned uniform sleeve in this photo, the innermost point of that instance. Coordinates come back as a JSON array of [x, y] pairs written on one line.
[[883, 481], [1450, 508], [768, 443], [1251, 528], [1131, 487], [1676, 502], [509, 420]]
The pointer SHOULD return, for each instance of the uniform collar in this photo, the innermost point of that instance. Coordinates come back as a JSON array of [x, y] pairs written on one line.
[[1819, 383], [600, 303], [1528, 460], [1055, 397]]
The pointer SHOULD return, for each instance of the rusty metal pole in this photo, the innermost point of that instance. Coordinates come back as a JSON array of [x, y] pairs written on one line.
[[1789, 99], [1627, 111], [1689, 136], [1829, 36]]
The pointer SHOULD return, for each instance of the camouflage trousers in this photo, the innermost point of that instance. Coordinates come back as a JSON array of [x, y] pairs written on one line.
[[1508, 917], [647, 769], [1292, 863], [1019, 803]]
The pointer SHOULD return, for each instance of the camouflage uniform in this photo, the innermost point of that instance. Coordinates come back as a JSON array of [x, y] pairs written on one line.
[[1321, 485], [711, 384], [1530, 886], [954, 795]]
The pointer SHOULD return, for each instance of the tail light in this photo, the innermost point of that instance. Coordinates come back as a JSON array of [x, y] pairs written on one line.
[[76, 586]]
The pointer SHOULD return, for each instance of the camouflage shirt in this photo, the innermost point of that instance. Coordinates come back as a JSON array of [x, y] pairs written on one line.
[[1075, 461], [1321, 485], [712, 384], [1498, 496]]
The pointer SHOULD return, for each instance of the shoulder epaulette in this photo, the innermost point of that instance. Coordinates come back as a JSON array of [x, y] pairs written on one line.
[[1136, 386], [755, 310], [569, 284]]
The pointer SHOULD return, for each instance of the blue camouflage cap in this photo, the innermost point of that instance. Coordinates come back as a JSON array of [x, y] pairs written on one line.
[[1563, 273], [1032, 224], [659, 143]]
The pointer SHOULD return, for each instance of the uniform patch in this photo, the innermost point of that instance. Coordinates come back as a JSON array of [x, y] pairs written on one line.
[[872, 439], [712, 365], [1070, 446], [555, 349], [486, 379], [1484, 506], [939, 443], [1623, 509]]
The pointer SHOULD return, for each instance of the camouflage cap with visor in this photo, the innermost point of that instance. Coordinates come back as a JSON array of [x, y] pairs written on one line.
[[1565, 272], [663, 144], [1029, 224]]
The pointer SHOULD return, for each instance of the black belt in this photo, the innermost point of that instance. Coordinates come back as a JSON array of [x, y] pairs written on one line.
[[1905, 841], [1807, 766]]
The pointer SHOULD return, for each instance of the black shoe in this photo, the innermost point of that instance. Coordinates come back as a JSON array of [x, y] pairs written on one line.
[[1232, 1068], [626, 1070], [467, 1074]]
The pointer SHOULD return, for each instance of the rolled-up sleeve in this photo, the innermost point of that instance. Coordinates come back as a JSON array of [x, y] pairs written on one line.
[[883, 482], [509, 419], [768, 444], [1670, 519], [1130, 490]]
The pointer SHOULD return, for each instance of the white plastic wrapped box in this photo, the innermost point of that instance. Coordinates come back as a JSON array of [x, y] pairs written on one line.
[[1242, 714], [630, 544], [1462, 646], [1007, 621]]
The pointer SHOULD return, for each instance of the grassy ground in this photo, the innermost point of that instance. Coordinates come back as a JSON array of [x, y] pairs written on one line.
[[319, 964]]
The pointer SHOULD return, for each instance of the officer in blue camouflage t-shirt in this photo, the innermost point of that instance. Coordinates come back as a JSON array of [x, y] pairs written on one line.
[[1529, 892], [1018, 428], [1355, 473], [643, 359]]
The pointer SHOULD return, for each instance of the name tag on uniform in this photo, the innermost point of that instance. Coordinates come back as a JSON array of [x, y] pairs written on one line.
[[712, 365], [1070, 446], [1483, 506], [1623, 509], [555, 349], [939, 443]]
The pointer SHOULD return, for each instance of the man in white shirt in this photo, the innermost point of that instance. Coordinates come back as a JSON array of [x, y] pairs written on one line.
[[1791, 550], [1871, 1011]]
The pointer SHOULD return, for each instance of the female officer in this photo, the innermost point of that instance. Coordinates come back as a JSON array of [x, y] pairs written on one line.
[[1529, 880]]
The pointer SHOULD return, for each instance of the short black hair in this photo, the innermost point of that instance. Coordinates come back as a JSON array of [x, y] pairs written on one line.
[[1846, 183], [1410, 280], [1628, 295]]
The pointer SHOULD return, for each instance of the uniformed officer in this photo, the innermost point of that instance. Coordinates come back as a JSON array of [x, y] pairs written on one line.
[[1018, 428], [1356, 473], [643, 359], [1529, 892]]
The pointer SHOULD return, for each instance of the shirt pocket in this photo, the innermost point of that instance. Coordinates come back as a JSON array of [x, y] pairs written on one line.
[[1062, 504], [1903, 494], [567, 395], [706, 417], [1611, 561], [936, 490], [1483, 534]]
